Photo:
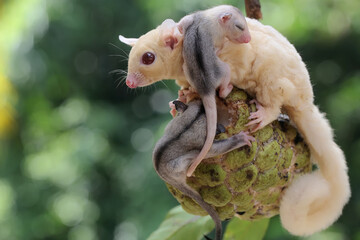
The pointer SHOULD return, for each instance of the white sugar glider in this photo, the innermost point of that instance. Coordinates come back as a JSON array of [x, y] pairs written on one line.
[[182, 141], [270, 69]]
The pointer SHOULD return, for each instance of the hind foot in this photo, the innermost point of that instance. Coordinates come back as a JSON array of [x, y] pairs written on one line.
[[262, 117], [224, 91]]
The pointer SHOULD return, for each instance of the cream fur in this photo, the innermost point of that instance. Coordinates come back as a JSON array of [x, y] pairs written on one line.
[[270, 69], [315, 201]]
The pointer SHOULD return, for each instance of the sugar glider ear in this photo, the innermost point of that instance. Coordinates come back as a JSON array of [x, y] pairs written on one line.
[[128, 41], [169, 33], [180, 106], [225, 17]]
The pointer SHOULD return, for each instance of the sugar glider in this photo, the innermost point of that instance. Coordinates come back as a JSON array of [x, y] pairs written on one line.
[[204, 34], [181, 142], [270, 69]]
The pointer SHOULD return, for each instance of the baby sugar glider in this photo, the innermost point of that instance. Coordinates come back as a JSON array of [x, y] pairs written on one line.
[[204, 34], [182, 141]]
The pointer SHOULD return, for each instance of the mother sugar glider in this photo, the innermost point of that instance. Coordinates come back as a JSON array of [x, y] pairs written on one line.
[[183, 139], [270, 69]]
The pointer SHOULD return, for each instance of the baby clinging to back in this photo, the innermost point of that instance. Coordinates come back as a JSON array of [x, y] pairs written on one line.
[[204, 34]]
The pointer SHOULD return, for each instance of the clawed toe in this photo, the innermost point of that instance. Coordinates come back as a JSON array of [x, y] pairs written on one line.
[[253, 122], [259, 126], [225, 91], [257, 118], [247, 138], [254, 115]]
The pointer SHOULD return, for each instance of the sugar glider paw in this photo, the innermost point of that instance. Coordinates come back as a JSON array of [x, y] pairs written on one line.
[[187, 95], [182, 95], [173, 109], [257, 119], [225, 91], [245, 138]]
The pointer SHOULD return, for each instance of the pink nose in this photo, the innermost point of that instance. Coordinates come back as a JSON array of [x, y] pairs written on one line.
[[247, 39], [131, 81], [244, 39]]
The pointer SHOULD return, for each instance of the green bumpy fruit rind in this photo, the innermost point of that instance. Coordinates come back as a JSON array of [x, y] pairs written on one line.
[[248, 182]]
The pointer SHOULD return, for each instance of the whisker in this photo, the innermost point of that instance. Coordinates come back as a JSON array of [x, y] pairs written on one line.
[[118, 71], [117, 86], [115, 46], [155, 87], [119, 49], [115, 71], [165, 84], [127, 54], [116, 55], [124, 58], [120, 80]]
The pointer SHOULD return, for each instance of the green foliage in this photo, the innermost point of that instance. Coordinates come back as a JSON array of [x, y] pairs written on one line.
[[246, 230], [179, 225]]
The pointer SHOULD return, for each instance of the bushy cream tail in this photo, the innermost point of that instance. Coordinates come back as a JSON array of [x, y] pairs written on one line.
[[315, 201]]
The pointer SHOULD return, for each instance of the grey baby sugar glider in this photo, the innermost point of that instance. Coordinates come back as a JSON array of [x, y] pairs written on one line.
[[182, 141], [204, 35]]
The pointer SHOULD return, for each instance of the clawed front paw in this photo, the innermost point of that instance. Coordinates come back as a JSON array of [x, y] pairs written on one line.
[[225, 91], [187, 95], [173, 109], [246, 138], [257, 118]]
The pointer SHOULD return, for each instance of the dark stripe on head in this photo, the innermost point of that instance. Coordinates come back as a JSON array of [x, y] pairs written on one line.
[[198, 50], [161, 150], [216, 69], [204, 82]]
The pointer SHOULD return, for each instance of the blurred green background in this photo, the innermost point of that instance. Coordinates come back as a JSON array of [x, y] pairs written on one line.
[[75, 151]]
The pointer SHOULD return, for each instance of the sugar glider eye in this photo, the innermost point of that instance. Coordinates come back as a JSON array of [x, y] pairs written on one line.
[[239, 27], [148, 58]]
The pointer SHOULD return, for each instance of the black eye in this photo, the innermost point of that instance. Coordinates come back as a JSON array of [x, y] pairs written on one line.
[[148, 58], [240, 27]]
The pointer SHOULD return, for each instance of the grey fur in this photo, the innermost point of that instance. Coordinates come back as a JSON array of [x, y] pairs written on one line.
[[204, 71], [204, 34], [203, 67], [182, 141]]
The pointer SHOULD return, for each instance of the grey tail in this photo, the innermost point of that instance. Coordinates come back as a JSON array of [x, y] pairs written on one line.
[[209, 209], [209, 103]]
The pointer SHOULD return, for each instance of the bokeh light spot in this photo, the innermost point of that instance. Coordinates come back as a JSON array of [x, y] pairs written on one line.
[[126, 231], [141, 107], [55, 166], [160, 100], [74, 111], [82, 233], [85, 62], [337, 22], [6, 199], [70, 209], [142, 139], [328, 72]]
